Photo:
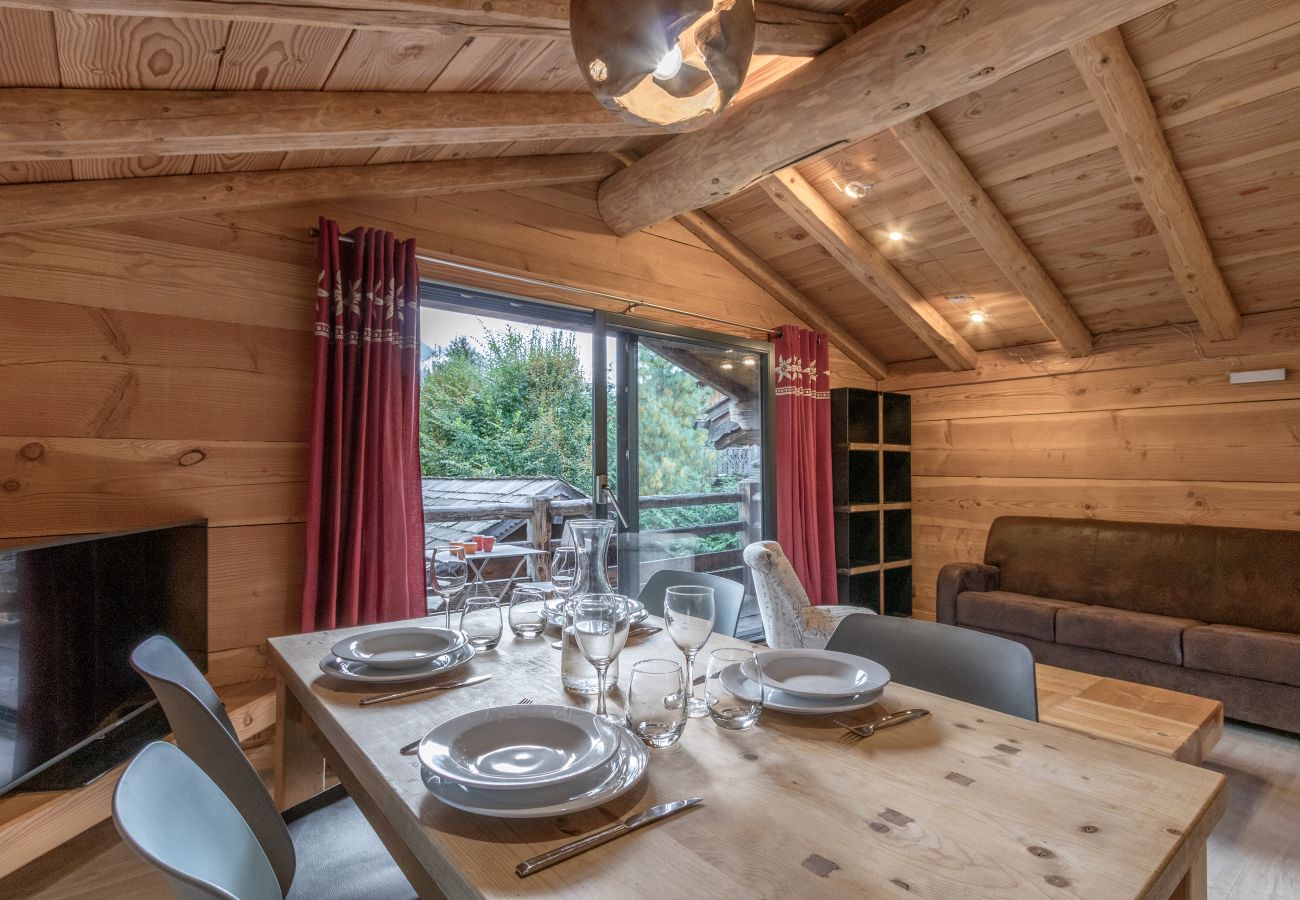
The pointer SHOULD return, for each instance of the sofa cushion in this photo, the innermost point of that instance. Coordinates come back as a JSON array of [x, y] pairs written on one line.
[[1020, 614], [1244, 652], [1144, 635]]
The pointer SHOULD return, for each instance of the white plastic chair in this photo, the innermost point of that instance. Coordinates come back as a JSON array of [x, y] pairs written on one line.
[[790, 622], [179, 821]]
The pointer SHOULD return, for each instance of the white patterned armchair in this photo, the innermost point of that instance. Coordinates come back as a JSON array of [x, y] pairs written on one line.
[[789, 621]]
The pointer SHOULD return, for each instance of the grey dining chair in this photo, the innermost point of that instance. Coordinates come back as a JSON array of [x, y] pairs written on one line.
[[322, 848], [727, 596], [173, 815], [978, 668]]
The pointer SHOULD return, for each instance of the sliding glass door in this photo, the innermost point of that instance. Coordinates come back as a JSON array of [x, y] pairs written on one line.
[[690, 456]]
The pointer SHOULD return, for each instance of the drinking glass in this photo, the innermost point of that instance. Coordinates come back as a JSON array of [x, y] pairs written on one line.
[[564, 574], [732, 701], [480, 619], [600, 623], [447, 575], [527, 612], [656, 707], [688, 614]]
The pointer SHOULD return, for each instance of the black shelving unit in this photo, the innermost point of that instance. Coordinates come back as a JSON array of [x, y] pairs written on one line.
[[871, 438]]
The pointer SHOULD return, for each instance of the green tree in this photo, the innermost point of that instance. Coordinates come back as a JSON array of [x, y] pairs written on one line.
[[520, 407]]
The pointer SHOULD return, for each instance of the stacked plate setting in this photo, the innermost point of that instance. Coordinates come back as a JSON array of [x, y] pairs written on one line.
[[394, 655], [529, 761], [809, 682]]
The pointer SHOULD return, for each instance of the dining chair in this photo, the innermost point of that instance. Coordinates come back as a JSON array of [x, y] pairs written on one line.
[[790, 621], [322, 848], [175, 817], [979, 668], [728, 596]]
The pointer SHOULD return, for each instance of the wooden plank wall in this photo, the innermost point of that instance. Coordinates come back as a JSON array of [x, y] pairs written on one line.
[[1148, 429], [158, 371]]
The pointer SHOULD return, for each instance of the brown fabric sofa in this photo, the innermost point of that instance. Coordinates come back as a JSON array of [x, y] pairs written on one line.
[[1207, 611]]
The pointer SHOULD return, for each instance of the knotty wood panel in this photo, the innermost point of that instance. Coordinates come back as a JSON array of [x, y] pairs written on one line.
[[1147, 431], [52, 486]]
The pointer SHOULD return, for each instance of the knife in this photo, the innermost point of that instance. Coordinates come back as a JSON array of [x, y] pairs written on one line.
[[433, 687], [605, 835]]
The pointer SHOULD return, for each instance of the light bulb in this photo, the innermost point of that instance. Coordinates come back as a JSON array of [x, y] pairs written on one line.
[[977, 316], [726, 366], [856, 189], [669, 65], [749, 361], [895, 235]]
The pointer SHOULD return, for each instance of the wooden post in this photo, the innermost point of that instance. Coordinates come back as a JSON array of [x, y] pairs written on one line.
[[539, 535]]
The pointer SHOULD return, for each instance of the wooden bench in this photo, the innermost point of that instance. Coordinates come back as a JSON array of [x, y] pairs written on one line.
[[1181, 726], [32, 824]]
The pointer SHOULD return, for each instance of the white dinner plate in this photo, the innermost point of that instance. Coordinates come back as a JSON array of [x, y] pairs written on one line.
[[819, 674], [402, 647], [780, 701], [518, 747], [601, 785], [353, 671]]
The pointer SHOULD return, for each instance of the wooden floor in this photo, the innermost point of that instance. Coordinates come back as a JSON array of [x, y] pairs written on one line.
[[1254, 853]]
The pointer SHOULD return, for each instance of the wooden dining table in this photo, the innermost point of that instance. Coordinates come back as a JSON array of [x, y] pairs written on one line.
[[966, 802]]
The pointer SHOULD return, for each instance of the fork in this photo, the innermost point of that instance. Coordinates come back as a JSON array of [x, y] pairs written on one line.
[[855, 733], [409, 749]]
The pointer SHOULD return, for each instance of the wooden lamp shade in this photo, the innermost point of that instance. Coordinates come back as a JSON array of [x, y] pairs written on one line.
[[670, 63]]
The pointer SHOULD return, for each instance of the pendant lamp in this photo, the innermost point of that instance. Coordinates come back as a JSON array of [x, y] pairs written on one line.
[[671, 63]]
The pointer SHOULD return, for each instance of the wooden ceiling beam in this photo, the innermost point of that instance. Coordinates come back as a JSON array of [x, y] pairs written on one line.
[[927, 146], [801, 201], [1121, 95], [753, 267], [917, 57], [31, 207], [49, 123], [781, 31]]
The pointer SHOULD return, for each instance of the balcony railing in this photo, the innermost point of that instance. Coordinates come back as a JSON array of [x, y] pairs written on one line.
[[541, 515]]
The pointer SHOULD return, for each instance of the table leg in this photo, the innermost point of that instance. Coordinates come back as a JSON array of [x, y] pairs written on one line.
[[1194, 885], [299, 765]]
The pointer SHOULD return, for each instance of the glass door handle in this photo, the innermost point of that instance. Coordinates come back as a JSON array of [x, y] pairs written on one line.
[[607, 496]]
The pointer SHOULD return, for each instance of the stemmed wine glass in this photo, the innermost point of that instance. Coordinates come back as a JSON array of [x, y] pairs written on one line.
[[564, 575], [600, 623], [688, 613], [447, 576]]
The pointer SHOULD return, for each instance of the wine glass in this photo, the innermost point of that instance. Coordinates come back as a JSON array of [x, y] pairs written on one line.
[[600, 623], [447, 576], [564, 575], [688, 613]]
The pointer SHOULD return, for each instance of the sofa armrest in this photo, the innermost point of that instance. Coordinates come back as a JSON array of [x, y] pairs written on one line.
[[957, 577]]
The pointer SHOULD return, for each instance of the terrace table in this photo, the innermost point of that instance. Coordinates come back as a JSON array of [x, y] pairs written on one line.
[[964, 803], [477, 561]]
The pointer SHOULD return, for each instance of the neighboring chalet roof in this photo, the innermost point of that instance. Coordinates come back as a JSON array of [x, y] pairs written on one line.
[[467, 493]]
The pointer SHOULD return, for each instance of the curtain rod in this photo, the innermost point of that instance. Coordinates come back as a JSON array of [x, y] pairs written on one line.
[[632, 304]]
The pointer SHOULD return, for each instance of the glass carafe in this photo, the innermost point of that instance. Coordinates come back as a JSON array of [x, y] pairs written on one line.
[[591, 540]]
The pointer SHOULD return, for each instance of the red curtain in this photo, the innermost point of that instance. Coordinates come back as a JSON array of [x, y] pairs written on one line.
[[365, 514], [805, 514]]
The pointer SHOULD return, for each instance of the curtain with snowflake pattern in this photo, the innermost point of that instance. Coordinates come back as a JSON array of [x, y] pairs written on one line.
[[804, 506]]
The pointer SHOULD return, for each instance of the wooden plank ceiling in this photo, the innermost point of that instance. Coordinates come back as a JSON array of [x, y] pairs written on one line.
[[1223, 80]]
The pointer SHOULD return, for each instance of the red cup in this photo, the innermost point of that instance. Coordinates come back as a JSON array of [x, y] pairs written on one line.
[[478, 540], [486, 543]]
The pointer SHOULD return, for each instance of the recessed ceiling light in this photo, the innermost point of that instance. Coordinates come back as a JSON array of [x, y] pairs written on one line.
[[977, 316], [749, 361], [895, 235], [857, 189], [726, 366], [959, 298]]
